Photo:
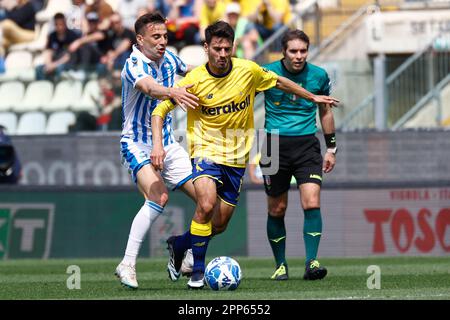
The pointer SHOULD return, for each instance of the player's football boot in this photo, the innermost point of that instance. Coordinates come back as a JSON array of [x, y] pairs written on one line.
[[127, 275], [197, 281], [281, 273], [175, 260], [314, 271], [187, 264]]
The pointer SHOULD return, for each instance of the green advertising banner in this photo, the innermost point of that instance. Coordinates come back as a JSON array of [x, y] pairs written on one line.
[[4, 228], [74, 223]]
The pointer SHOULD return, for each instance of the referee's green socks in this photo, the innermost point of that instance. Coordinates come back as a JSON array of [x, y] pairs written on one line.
[[276, 232], [312, 231]]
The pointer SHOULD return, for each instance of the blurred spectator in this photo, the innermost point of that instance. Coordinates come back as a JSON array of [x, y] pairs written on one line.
[[113, 46], [162, 6], [270, 15], [56, 54], [85, 122], [246, 37], [108, 107], [6, 5], [130, 10], [75, 17], [210, 12], [110, 117], [116, 44], [182, 25], [10, 168], [37, 4], [86, 49], [19, 24], [103, 10]]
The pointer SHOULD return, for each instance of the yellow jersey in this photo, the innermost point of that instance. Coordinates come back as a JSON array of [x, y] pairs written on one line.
[[208, 16], [258, 7], [221, 128]]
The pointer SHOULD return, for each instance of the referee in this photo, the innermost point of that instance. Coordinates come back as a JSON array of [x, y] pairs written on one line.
[[292, 121]]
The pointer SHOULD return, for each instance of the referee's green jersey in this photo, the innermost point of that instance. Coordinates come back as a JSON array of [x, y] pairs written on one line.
[[289, 114]]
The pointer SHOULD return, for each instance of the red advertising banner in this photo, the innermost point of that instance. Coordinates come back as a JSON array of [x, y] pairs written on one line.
[[366, 222]]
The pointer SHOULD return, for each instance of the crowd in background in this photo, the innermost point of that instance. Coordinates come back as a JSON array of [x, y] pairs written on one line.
[[97, 37], [90, 37]]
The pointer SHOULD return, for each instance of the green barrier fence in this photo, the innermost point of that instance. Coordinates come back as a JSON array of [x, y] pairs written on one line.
[[76, 223]]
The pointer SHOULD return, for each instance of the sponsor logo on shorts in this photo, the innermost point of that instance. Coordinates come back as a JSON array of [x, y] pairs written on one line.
[[198, 168]]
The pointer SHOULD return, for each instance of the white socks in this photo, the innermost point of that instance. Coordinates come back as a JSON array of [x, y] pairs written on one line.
[[142, 222]]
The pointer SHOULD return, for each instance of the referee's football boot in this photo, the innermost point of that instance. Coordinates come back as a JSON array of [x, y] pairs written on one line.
[[188, 264], [314, 271], [175, 260], [197, 281], [281, 273], [127, 275]]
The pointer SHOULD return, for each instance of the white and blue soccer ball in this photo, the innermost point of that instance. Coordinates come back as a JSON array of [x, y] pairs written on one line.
[[223, 273]]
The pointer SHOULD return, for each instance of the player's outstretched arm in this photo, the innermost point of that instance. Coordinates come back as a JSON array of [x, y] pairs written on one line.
[[290, 86], [180, 95]]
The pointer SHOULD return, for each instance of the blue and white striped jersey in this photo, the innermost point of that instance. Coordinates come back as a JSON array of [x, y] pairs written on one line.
[[137, 107]]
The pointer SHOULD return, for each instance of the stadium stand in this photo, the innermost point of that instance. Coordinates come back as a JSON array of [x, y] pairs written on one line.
[[18, 65], [431, 113], [38, 44], [33, 122], [9, 121], [445, 96], [52, 7], [67, 92], [37, 95], [59, 122], [21, 93], [89, 97], [11, 94]]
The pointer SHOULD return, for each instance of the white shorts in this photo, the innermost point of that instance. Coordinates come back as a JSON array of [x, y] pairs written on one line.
[[177, 165]]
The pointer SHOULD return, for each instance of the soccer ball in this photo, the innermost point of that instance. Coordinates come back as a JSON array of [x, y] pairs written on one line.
[[223, 273]]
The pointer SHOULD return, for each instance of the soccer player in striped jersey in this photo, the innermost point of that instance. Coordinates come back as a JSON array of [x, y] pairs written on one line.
[[148, 77], [219, 133]]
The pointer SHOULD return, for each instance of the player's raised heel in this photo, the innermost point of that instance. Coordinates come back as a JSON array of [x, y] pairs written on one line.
[[188, 264], [314, 271], [127, 275], [197, 281]]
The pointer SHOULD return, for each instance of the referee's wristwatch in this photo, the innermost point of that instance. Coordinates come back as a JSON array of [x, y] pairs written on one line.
[[332, 150]]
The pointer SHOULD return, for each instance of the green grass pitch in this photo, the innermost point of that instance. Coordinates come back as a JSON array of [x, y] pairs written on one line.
[[401, 278]]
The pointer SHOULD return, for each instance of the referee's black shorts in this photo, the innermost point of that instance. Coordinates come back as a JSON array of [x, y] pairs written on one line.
[[299, 156]]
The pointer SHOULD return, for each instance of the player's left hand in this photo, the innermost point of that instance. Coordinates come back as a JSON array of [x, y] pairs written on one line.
[[326, 99], [184, 98], [157, 157], [329, 160]]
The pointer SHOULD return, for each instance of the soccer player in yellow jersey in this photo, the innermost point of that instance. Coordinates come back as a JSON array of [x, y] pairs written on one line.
[[219, 133]]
